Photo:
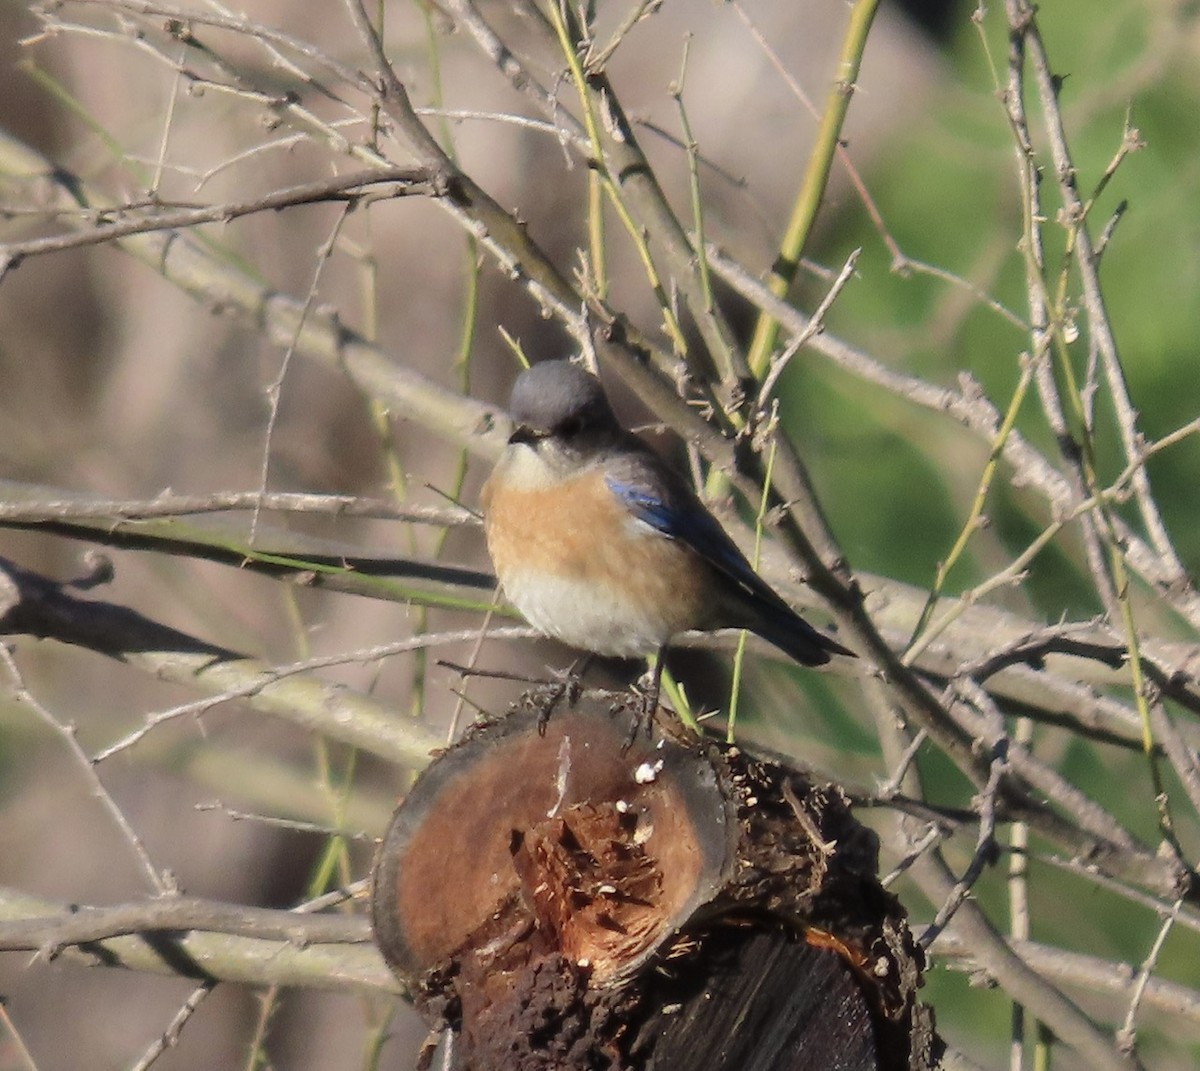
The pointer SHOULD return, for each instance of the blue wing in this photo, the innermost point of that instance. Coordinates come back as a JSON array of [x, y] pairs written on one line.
[[659, 498], [676, 513]]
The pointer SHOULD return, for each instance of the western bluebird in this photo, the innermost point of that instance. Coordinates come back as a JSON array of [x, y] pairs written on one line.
[[601, 545]]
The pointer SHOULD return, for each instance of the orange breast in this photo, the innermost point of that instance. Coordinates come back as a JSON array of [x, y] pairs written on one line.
[[578, 534]]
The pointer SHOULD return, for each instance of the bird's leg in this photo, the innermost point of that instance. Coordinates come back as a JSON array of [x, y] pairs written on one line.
[[569, 685], [648, 699], [574, 681]]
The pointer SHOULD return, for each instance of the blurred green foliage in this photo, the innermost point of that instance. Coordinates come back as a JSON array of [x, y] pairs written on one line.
[[948, 192], [898, 481]]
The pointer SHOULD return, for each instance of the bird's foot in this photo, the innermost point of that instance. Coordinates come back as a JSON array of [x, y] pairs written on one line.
[[568, 685], [546, 697], [644, 707]]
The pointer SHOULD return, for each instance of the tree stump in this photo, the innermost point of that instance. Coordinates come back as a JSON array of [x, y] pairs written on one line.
[[571, 901]]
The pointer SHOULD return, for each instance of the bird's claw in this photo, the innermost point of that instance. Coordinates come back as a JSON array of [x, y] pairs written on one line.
[[644, 707], [545, 698], [568, 685]]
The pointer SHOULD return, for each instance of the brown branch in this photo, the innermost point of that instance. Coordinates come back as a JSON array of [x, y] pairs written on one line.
[[34, 605], [1092, 974], [122, 222], [1000, 961], [299, 559], [34, 503], [67, 733], [223, 287], [1099, 326], [970, 408], [1093, 831], [625, 162], [49, 934], [994, 955], [497, 230], [250, 945]]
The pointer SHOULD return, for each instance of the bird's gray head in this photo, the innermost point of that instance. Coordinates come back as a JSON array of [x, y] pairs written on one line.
[[558, 404]]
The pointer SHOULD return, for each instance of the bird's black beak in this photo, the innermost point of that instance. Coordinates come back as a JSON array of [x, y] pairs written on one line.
[[525, 434]]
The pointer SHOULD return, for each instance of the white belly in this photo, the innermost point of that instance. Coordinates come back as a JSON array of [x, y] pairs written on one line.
[[589, 617]]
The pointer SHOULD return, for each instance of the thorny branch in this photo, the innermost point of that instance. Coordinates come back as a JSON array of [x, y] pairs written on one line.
[[85, 925], [123, 221], [201, 939], [957, 696], [32, 605]]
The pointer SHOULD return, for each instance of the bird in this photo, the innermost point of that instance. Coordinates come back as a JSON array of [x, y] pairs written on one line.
[[600, 544]]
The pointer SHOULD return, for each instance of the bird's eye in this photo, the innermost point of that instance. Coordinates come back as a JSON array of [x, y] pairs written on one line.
[[569, 428]]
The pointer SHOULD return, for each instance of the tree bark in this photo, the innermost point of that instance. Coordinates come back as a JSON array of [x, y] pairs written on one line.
[[571, 900]]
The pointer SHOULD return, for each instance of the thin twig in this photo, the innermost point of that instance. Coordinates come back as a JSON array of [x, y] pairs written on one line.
[[1018, 903], [115, 223], [28, 502], [985, 848], [1127, 1034], [277, 675], [70, 737], [816, 324], [812, 185], [18, 1042], [274, 389], [933, 835], [169, 1038], [292, 825], [1099, 325], [1010, 969]]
